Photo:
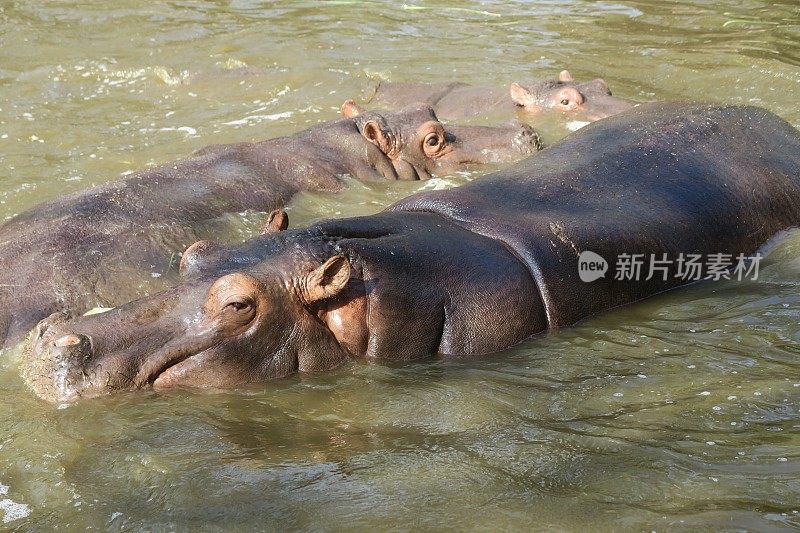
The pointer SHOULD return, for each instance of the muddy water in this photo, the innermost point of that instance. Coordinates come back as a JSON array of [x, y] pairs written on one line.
[[679, 413]]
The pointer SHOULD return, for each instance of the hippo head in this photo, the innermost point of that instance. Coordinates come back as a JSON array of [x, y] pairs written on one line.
[[591, 100], [246, 314], [418, 145]]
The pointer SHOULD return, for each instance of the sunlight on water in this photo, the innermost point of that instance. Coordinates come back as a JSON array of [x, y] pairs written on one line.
[[677, 413], [12, 510]]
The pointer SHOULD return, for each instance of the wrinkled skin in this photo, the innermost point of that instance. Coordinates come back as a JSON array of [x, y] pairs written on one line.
[[466, 271], [588, 101], [418, 153], [291, 302], [106, 245]]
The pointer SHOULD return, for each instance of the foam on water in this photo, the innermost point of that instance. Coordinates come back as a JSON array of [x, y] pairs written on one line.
[[258, 118], [12, 510], [575, 125], [438, 184]]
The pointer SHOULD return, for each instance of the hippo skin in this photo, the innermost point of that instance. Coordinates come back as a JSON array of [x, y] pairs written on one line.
[[100, 247], [588, 101], [467, 271]]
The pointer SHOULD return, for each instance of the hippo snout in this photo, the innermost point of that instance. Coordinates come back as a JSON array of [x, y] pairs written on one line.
[[55, 365], [71, 349], [58, 349], [527, 141]]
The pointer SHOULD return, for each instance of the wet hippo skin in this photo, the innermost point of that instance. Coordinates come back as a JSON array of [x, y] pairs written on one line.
[[588, 101], [467, 271], [99, 246]]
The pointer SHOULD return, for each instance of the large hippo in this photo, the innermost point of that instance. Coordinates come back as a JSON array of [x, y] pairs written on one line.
[[471, 270], [587, 101], [99, 247]]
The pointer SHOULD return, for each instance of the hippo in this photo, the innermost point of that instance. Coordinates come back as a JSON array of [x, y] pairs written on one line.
[[588, 101], [104, 246], [467, 271]]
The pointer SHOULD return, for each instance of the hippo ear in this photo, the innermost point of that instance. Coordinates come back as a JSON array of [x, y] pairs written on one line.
[[277, 221], [325, 281], [565, 76], [192, 258], [372, 131], [521, 95], [351, 109], [599, 85]]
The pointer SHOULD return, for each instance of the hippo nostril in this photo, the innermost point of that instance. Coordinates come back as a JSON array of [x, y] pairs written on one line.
[[67, 340], [56, 318], [40, 330], [72, 349], [528, 141]]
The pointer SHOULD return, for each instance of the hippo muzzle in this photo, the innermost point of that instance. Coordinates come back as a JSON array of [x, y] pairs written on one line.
[[488, 145], [57, 366], [75, 357], [68, 355]]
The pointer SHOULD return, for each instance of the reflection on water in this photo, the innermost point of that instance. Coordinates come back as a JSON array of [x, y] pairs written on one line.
[[678, 413]]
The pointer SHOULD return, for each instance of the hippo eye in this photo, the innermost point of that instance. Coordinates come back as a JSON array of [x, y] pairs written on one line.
[[239, 306], [232, 303], [432, 139], [565, 101], [433, 143]]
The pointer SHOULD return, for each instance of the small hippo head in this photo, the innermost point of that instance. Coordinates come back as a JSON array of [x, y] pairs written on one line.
[[592, 100], [257, 317], [418, 145]]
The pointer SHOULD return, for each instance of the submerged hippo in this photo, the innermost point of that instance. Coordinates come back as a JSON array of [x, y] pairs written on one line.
[[587, 101], [99, 247], [470, 270]]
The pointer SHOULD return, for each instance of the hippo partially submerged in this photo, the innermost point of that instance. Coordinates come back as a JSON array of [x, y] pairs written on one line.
[[99, 247], [587, 101], [470, 270]]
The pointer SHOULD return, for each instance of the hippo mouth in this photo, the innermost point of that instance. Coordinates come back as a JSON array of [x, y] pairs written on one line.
[[63, 366], [466, 151], [175, 373], [410, 172], [169, 366]]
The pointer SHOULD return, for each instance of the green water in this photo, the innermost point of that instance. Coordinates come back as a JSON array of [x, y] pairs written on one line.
[[680, 413]]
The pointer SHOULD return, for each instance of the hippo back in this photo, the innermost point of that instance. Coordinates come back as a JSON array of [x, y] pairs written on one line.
[[662, 178]]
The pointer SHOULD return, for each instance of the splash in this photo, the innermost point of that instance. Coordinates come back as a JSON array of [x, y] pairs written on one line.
[[12, 510], [575, 125], [438, 184]]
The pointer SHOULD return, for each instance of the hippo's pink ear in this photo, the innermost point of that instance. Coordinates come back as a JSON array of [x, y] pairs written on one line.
[[351, 109], [372, 131], [565, 76], [325, 281], [277, 221], [522, 96]]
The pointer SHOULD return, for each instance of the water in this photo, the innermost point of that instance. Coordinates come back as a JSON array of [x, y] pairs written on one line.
[[680, 413]]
